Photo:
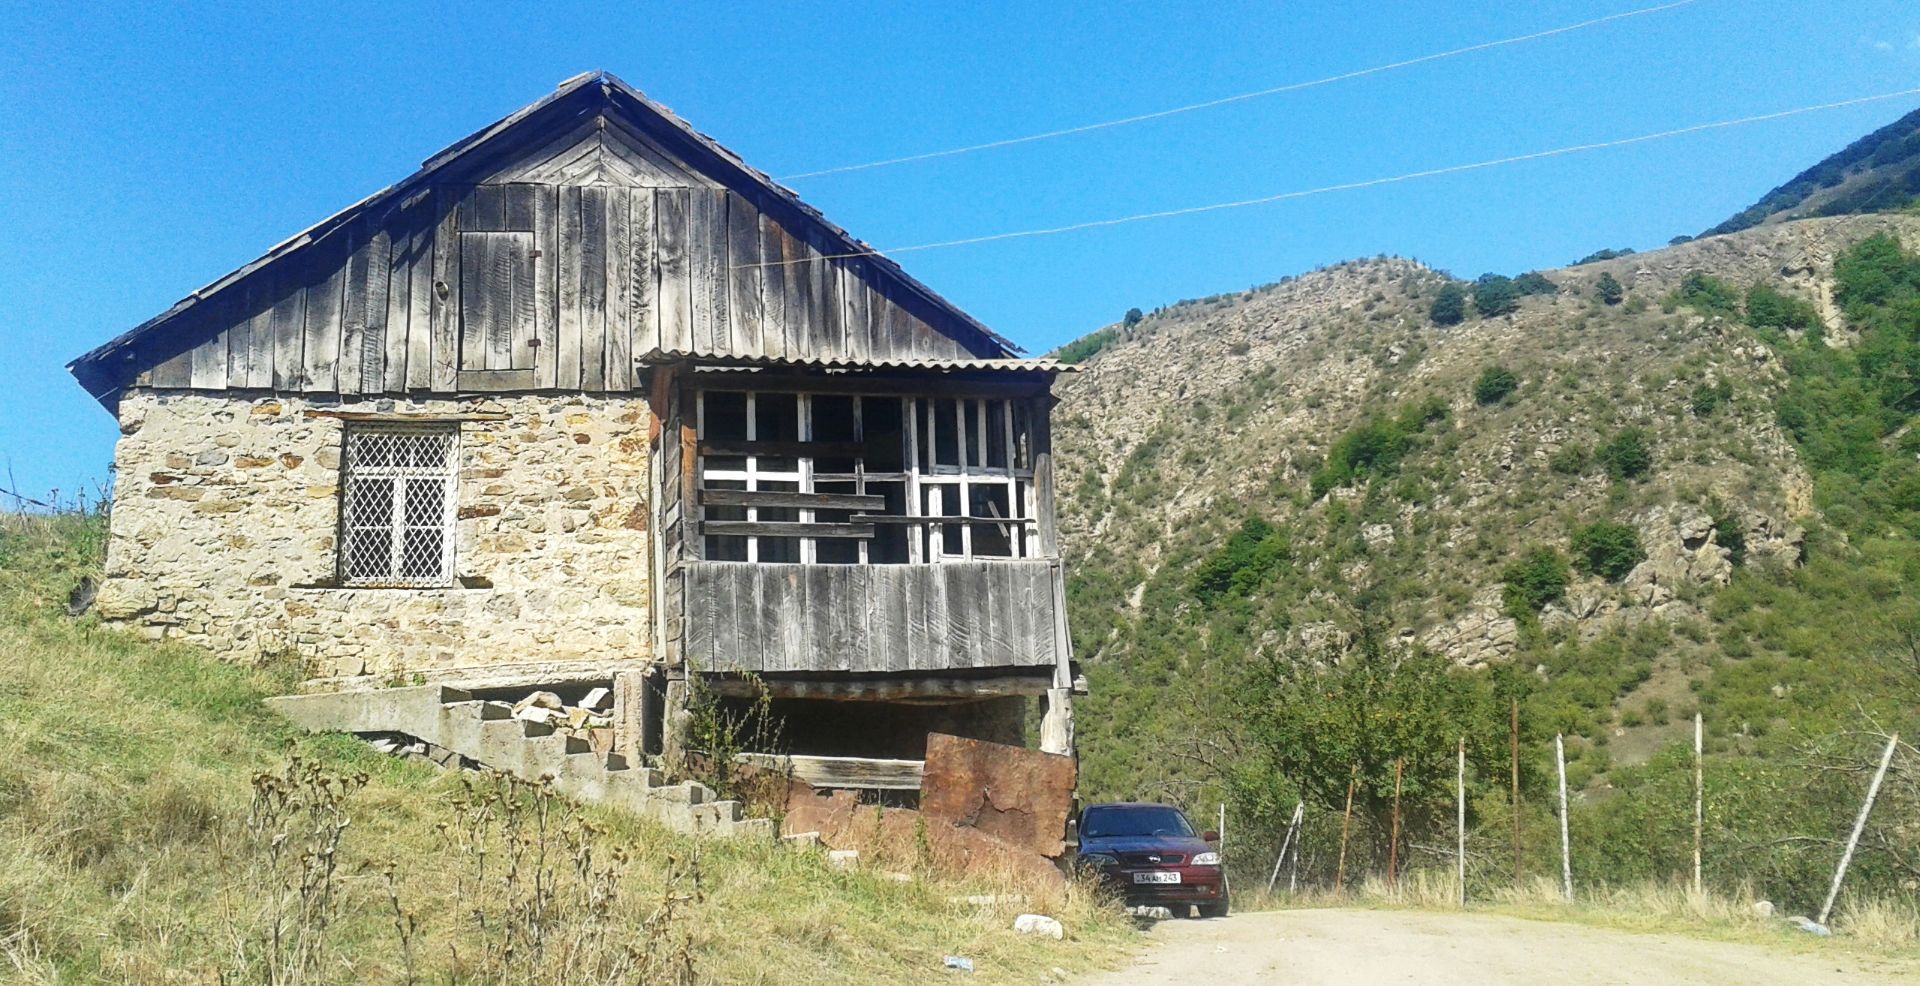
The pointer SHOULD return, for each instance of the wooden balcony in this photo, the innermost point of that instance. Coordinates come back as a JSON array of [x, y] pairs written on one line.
[[771, 618]]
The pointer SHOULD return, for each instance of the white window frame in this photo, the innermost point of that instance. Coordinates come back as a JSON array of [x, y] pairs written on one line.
[[401, 476], [926, 542]]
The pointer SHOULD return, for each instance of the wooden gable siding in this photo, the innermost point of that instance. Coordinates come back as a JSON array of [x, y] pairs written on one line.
[[552, 273]]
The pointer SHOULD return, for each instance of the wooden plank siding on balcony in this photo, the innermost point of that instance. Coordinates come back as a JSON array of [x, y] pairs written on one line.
[[770, 618]]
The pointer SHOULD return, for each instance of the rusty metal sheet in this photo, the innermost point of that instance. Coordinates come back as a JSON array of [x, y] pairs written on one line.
[[1016, 795], [905, 839]]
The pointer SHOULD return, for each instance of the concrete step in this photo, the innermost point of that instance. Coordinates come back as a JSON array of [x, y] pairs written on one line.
[[486, 733]]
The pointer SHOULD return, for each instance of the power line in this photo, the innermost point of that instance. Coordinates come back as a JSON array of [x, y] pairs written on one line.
[[1352, 185], [1226, 100]]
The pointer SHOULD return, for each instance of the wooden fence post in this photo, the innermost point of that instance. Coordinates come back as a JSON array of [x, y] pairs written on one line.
[[1566, 848], [1346, 823], [1699, 796], [1460, 803], [1393, 843], [1513, 737], [1859, 825]]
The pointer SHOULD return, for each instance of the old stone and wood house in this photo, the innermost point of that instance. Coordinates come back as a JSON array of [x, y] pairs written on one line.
[[587, 399]]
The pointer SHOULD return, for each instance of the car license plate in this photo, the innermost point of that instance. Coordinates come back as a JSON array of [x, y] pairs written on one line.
[[1157, 876]]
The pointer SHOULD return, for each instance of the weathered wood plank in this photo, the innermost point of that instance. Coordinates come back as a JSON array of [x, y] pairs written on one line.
[[444, 368], [619, 354], [887, 619], [259, 305], [745, 277], [495, 381], [175, 371], [793, 646], [823, 299], [546, 302], [326, 297], [519, 207], [643, 278], [676, 284], [707, 249], [773, 291], [400, 228], [843, 772], [849, 638], [746, 601], [704, 589], [962, 613], [847, 688], [774, 615], [816, 628], [239, 320], [569, 265], [1043, 481], [286, 328], [361, 348], [853, 308], [207, 364], [879, 307], [803, 501], [728, 589], [420, 290], [923, 645], [785, 529], [593, 287], [996, 621]]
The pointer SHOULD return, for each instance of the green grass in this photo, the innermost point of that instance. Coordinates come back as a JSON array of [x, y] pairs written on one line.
[[127, 770]]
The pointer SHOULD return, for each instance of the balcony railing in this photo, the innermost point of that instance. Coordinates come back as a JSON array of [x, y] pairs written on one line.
[[768, 618]]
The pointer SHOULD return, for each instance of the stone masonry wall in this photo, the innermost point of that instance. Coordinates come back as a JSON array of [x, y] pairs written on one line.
[[226, 510]]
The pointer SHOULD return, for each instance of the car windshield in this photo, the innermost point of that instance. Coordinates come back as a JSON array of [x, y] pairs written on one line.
[[1108, 823]]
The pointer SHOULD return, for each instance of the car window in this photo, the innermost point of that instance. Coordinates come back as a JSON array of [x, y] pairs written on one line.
[[1109, 823]]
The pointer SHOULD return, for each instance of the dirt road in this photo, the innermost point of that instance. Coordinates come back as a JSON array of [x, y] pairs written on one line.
[[1363, 948]]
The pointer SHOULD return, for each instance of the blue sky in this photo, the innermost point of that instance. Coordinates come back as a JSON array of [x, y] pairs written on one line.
[[146, 150]]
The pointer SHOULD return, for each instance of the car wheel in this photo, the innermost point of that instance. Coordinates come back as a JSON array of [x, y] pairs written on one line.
[[1216, 910]]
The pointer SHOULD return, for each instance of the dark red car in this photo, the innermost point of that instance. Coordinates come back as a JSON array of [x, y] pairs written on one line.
[[1150, 854]]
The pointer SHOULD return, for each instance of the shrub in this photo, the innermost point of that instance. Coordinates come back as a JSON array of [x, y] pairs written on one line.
[[1133, 318], [1570, 460], [1771, 309], [1495, 295], [1243, 563], [1494, 385], [1705, 293], [1607, 550], [1082, 349], [1708, 396], [1449, 306], [1626, 455], [1534, 282], [1609, 289], [1538, 578], [1376, 446], [1599, 255]]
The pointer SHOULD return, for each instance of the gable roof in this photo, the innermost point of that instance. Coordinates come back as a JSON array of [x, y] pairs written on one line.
[[577, 101]]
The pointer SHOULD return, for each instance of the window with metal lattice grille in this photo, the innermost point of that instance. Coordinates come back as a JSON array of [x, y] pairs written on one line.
[[397, 509]]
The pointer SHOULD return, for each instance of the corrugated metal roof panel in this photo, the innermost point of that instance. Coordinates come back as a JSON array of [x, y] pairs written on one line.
[[719, 361]]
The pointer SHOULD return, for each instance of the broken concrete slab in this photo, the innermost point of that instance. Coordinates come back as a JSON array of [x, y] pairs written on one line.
[[1016, 795]]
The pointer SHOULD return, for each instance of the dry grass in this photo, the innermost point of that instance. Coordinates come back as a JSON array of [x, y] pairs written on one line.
[[1883, 927], [127, 771]]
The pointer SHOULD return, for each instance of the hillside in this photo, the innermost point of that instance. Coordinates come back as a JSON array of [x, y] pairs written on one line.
[[1607, 508], [1877, 173], [159, 825]]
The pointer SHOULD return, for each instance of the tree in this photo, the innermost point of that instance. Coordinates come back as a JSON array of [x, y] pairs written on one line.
[[1534, 282], [1133, 318], [1449, 306], [1495, 295], [1317, 724], [1538, 578], [1599, 255], [1609, 289], [1494, 385], [1626, 455], [1607, 549]]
